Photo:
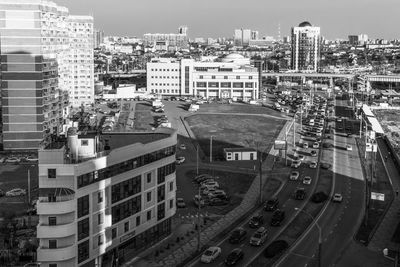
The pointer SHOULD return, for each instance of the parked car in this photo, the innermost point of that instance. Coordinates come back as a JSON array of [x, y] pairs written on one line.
[[313, 153], [256, 221], [325, 165], [313, 164], [31, 159], [277, 217], [315, 145], [16, 192], [209, 183], [299, 194], [271, 204], [180, 160], [12, 160], [337, 197], [218, 194], [295, 164], [234, 257], [182, 146], [198, 200], [301, 157], [180, 203], [218, 202], [210, 254], [294, 175], [349, 147], [259, 237], [202, 177], [307, 180], [305, 145], [238, 235]]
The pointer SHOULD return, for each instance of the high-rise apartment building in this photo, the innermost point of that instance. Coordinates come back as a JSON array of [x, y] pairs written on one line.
[[306, 47], [168, 41], [104, 196], [98, 38], [242, 37], [36, 44]]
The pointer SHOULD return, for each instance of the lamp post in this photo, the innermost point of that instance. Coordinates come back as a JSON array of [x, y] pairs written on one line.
[[211, 139], [319, 236]]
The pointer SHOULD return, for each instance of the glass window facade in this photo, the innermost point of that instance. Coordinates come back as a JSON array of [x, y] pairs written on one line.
[[83, 206], [126, 209], [125, 189]]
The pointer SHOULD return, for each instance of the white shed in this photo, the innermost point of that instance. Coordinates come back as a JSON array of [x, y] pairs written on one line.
[[240, 153]]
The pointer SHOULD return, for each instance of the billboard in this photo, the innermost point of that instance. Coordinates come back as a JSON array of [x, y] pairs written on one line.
[[280, 145]]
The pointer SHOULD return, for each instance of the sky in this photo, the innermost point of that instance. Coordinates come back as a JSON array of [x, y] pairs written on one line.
[[218, 18]]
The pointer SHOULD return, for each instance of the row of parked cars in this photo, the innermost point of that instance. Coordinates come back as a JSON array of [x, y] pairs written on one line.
[[210, 191], [13, 192], [18, 159]]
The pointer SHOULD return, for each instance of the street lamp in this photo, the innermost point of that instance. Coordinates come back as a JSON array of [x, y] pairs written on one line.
[[319, 236], [211, 139]]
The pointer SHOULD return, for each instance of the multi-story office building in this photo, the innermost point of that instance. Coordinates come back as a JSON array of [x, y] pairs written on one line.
[[36, 73], [231, 77], [104, 196], [171, 41], [98, 38], [242, 37], [306, 47], [81, 56]]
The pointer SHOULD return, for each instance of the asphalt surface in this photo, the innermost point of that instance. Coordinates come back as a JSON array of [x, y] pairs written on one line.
[[339, 221]]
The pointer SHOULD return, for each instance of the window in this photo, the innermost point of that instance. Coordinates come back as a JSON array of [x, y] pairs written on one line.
[[83, 251], [164, 171], [53, 265], [171, 203], [161, 211], [125, 189], [83, 229], [213, 77], [52, 221], [84, 142], [148, 196], [161, 193], [51, 173], [100, 218], [149, 177], [201, 77], [83, 206], [201, 84], [113, 233], [126, 227], [225, 85], [149, 215], [52, 244], [171, 186], [99, 197], [100, 240], [237, 85], [250, 77], [237, 77], [125, 209], [213, 84], [137, 220], [248, 85], [226, 77]]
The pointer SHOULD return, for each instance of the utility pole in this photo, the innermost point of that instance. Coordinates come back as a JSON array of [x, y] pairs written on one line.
[[211, 138], [197, 159], [260, 166], [198, 224]]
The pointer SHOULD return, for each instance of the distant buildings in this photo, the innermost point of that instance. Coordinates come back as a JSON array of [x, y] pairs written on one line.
[[168, 41], [46, 55], [242, 37], [232, 77], [306, 47], [98, 38], [103, 196], [360, 39]]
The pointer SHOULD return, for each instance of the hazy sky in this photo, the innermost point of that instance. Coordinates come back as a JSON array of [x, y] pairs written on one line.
[[218, 18]]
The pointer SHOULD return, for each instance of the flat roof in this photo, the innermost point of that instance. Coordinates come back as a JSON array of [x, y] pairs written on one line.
[[239, 149], [367, 111], [376, 126], [117, 140]]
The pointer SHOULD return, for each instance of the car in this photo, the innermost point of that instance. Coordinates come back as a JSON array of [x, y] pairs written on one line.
[[218, 194], [198, 200], [294, 175], [277, 217], [182, 146], [208, 190], [256, 221], [12, 160], [313, 153], [16, 192], [313, 164], [305, 145], [325, 166], [218, 202], [349, 147], [315, 145], [307, 180], [210, 255], [271, 204], [337, 198], [180, 160], [31, 159], [300, 194], [209, 183], [238, 235], [202, 177], [180, 203], [327, 145], [275, 248], [259, 237], [295, 164], [234, 256], [301, 157]]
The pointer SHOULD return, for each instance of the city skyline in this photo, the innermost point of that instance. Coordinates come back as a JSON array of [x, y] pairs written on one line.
[[337, 19]]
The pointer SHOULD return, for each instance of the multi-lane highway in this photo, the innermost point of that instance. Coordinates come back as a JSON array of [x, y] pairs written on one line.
[[339, 221]]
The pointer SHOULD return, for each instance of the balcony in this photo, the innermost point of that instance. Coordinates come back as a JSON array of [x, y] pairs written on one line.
[[61, 207], [56, 231], [56, 254]]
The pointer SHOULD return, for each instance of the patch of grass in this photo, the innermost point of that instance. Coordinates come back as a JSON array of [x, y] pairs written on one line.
[[143, 119], [239, 108]]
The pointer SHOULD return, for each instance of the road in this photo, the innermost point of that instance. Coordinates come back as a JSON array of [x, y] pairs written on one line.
[[340, 220]]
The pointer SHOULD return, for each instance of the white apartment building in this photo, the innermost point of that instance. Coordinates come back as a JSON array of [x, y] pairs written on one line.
[[231, 77], [104, 197], [306, 47], [81, 60]]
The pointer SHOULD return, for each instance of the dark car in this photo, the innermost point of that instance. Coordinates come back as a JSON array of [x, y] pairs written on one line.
[[271, 204], [300, 194], [325, 165], [238, 235], [218, 202], [277, 217], [256, 221], [275, 248], [234, 256]]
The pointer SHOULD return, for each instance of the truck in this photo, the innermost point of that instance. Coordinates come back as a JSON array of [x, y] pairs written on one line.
[[157, 103], [193, 108], [165, 125]]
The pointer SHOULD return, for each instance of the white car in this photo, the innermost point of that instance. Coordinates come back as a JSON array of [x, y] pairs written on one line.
[[210, 184], [348, 147], [180, 203], [307, 180], [12, 160], [295, 164], [16, 192], [315, 145], [210, 254], [301, 157], [180, 160], [182, 146], [31, 159], [294, 175], [305, 145], [337, 198], [313, 164]]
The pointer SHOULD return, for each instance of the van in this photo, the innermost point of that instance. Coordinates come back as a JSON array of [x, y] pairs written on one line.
[[259, 237]]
